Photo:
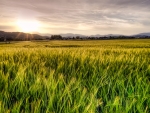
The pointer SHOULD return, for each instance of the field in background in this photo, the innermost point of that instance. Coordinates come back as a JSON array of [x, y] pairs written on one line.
[[106, 76]]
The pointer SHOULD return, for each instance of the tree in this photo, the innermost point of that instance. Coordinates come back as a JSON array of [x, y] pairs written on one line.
[[56, 37]]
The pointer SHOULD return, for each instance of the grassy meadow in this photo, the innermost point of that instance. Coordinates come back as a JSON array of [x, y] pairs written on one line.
[[105, 76]]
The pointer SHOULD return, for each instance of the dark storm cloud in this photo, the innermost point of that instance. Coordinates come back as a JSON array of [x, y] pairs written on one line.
[[95, 14]]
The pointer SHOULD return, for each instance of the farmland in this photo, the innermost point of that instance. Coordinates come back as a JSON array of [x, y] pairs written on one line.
[[105, 76]]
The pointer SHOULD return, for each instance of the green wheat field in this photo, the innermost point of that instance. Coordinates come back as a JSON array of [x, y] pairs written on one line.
[[105, 76]]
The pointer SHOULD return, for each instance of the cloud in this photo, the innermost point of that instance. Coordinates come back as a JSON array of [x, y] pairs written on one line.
[[76, 15], [8, 28]]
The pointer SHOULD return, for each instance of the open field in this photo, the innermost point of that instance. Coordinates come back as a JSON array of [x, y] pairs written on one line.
[[106, 76]]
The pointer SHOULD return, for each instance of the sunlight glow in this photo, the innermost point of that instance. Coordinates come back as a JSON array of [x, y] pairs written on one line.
[[28, 26]]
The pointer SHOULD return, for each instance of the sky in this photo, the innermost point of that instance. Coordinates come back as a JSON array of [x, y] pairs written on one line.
[[87, 17]]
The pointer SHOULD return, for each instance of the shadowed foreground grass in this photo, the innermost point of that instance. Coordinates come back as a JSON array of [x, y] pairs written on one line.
[[103, 79]]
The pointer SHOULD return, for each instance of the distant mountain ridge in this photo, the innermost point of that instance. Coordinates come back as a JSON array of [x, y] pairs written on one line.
[[143, 34], [96, 35], [72, 35], [20, 36]]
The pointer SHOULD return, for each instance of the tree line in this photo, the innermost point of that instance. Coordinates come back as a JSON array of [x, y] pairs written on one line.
[[19, 36]]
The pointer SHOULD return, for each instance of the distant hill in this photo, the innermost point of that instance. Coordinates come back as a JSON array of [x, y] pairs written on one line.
[[116, 35], [142, 34], [20, 36], [97, 35], [80, 35], [71, 35]]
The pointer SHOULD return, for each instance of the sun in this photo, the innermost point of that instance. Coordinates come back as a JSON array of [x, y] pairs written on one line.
[[28, 25]]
